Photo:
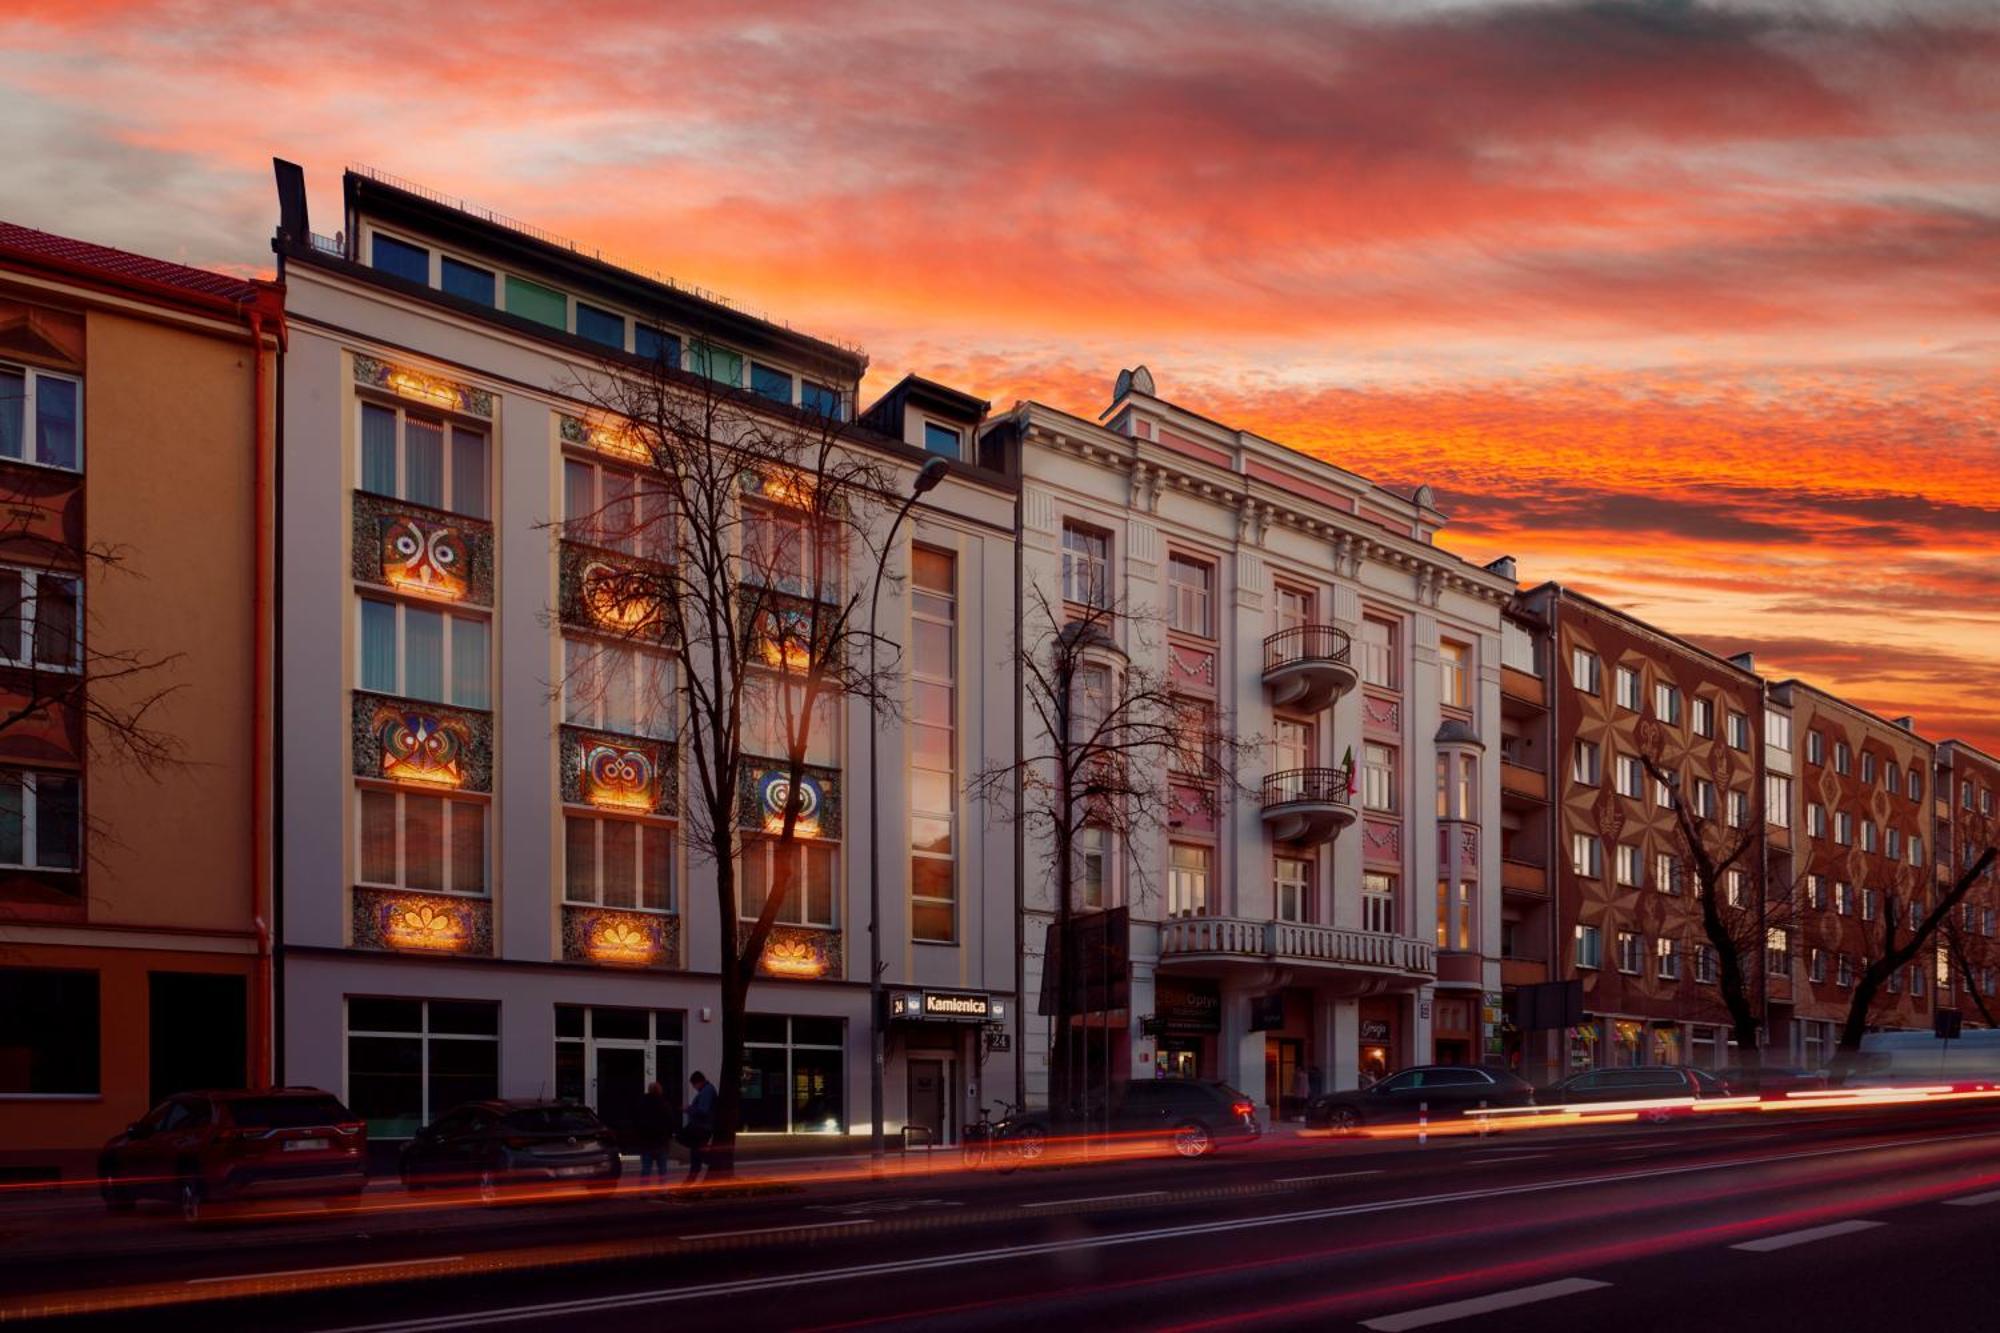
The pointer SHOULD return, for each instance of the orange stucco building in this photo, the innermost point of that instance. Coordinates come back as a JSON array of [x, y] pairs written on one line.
[[136, 411]]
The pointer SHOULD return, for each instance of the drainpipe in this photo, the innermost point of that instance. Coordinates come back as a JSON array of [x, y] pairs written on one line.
[[260, 726], [1020, 781]]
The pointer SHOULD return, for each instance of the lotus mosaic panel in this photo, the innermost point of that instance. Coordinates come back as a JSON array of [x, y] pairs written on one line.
[[623, 939], [799, 953], [405, 922]]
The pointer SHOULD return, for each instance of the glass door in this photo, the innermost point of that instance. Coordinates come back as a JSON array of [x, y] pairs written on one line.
[[620, 1083]]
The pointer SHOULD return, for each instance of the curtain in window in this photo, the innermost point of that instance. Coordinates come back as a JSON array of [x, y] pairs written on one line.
[[378, 646], [57, 807], [378, 449], [423, 841], [468, 662], [423, 654], [13, 410], [55, 620], [819, 885], [620, 863], [423, 462], [468, 472], [579, 507], [468, 846], [614, 678], [658, 848], [55, 421], [378, 837], [579, 686], [580, 860]]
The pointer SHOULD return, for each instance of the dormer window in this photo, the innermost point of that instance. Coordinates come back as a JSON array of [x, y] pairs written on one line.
[[400, 259], [770, 382], [656, 345], [466, 281], [531, 300], [944, 441], [718, 363], [600, 326], [823, 399]]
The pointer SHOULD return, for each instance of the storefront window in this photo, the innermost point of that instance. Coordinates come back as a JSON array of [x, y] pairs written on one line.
[[794, 1075], [410, 1061], [1628, 1042], [1666, 1044]]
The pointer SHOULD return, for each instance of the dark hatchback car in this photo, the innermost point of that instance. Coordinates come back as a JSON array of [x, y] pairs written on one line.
[[1442, 1092], [201, 1148], [1194, 1117], [491, 1144], [1645, 1083]]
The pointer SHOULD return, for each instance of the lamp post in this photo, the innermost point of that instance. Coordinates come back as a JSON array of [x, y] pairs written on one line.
[[932, 472]]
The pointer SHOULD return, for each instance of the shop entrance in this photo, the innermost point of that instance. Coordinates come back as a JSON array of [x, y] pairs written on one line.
[[930, 1098], [1180, 1057], [1284, 1057], [620, 1081]]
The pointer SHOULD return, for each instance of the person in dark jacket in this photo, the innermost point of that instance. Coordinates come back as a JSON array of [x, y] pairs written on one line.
[[653, 1124], [699, 1126]]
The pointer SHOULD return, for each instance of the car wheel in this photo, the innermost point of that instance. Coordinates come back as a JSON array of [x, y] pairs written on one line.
[[1192, 1139], [1343, 1119], [116, 1198], [1031, 1141], [191, 1201], [489, 1185]]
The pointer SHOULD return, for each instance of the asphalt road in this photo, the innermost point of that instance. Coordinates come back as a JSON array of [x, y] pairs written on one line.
[[1864, 1219]]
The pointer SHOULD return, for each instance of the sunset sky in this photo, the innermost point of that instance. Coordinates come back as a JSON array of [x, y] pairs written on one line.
[[1693, 307]]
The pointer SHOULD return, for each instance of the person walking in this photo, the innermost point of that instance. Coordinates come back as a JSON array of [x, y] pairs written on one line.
[[652, 1130], [698, 1126]]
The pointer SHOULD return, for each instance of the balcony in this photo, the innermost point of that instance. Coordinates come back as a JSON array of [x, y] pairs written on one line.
[[1307, 805], [1226, 939], [1307, 667], [1524, 877], [1519, 780]]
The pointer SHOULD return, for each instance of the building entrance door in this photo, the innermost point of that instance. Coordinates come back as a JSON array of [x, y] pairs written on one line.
[[1282, 1058], [620, 1083], [930, 1097]]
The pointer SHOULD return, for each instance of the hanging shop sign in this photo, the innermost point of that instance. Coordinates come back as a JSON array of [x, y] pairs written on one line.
[[946, 1006]]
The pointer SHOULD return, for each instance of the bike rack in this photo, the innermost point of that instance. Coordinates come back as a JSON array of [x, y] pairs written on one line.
[[930, 1142]]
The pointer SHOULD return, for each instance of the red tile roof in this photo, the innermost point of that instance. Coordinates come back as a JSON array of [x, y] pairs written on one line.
[[41, 245]]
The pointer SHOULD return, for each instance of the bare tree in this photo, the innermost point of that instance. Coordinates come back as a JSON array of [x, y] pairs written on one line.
[[742, 543], [1111, 740], [1900, 941], [1969, 954]]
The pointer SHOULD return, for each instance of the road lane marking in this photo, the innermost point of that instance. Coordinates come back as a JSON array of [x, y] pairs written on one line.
[[1974, 1200], [336, 1268], [1785, 1240], [1096, 1198], [1512, 1157], [1336, 1175], [1499, 1300], [819, 1277], [772, 1231]]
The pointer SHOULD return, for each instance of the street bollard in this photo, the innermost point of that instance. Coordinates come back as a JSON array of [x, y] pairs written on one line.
[[1423, 1123]]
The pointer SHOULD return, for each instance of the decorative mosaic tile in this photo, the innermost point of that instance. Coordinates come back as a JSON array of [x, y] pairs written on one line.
[[419, 387], [414, 741], [422, 550], [405, 922], [767, 784], [591, 776], [620, 939]]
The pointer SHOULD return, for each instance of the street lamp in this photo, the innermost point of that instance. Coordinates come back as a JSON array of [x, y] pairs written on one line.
[[932, 472]]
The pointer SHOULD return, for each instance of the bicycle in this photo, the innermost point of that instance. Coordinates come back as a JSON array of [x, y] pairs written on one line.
[[1004, 1143]]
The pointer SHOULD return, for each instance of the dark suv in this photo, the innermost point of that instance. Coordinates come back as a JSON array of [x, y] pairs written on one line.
[[206, 1147], [1194, 1117], [488, 1144], [1438, 1091]]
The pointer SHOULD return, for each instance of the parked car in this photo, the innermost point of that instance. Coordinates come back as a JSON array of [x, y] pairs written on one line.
[[201, 1148], [1439, 1091], [494, 1143], [1644, 1083], [1771, 1080], [1195, 1117]]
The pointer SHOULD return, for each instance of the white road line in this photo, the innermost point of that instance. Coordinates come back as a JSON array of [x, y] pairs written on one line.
[[1785, 1240], [1499, 1300], [481, 1319], [1974, 1200], [1512, 1157], [1095, 1198], [336, 1268], [1336, 1175], [772, 1231]]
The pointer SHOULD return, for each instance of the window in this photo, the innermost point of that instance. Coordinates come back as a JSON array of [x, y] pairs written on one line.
[[410, 1061], [1843, 970], [618, 863], [1586, 672], [1843, 828], [1195, 730], [41, 820], [1454, 915], [1867, 767], [410, 455], [400, 259], [933, 745], [1454, 674], [1778, 951], [1739, 809], [617, 509], [776, 385], [1916, 850], [1816, 819], [717, 363], [531, 300], [1965, 790], [1843, 898], [1894, 983], [1586, 764], [1379, 657], [1777, 731], [1777, 800], [1666, 872], [1816, 892], [1868, 837], [1669, 960], [1625, 864], [1916, 979], [1892, 779], [1739, 731], [1870, 904], [807, 871], [1630, 775], [421, 653], [1292, 885], [1190, 592], [414, 840], [619, 688], [1704, 717], [1666, 702], [466, 281], [1892, 843], [794, 1075], [1663, 795], [1589, 947], [1732, 889], [1586, 855], [1816, 965], [774, 712], [1378, 776], [1843, 759], [1086, 566], [1631, 951], [39, 620], [820, 399], [1704, 964], [656, 345], [49, 1038], [52, 404], [1094, 868], [600, 326], [1704, 798], [1295, 608], [656, 1037], [945, 441], [788, 549], [1625, 688], [1378, 902], [1187, 880], [1815, 748]]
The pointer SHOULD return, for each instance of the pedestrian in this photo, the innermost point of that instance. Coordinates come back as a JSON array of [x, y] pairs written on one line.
[[698, 1126], [652, 1130], [1301, 1091]]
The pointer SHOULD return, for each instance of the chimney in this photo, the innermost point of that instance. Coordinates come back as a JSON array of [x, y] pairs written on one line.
[[1907, 723], [1748, 661], [1504, 567]]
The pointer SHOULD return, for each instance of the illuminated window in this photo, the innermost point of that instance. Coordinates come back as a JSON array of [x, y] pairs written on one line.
[[1086, 566], [617, 687], [933, 721], [1190, 595], [617, 509], [626, 863], [421, 653], [1454, 915], [414, 840], [1778, 951], [416, 455], [41, 417], [40, 618], [1292, 887], [805, 872], [1187, 880], [794, 1075], [41, 820], [1454, 674]]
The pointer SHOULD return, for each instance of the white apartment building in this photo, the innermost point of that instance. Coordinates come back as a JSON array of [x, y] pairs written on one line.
[[1332, 921]]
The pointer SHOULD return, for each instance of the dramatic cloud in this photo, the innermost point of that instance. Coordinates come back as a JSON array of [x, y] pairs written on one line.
[[1693, 305]]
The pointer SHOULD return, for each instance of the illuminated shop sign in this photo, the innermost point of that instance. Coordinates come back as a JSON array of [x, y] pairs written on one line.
[[946, 1006]]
